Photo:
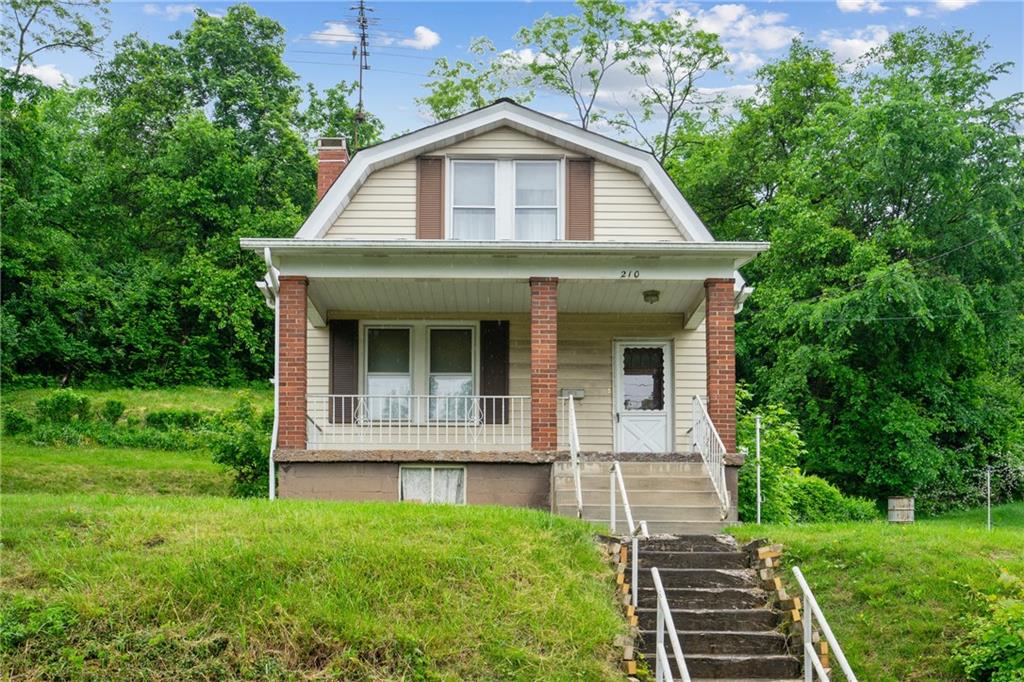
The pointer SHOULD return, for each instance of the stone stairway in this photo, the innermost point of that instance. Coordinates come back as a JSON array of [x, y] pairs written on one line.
[[726, 626], [673, 497]]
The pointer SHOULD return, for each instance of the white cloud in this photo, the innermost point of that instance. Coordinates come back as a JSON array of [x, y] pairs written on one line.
[[953, 5], [745, 61], [870, 6], [740, 28], [49, 74], [423, 39], [169, 12], [856, 44], [912, 11], [334, 33]]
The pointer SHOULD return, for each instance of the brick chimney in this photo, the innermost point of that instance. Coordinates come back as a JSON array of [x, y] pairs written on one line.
[[331, 160]]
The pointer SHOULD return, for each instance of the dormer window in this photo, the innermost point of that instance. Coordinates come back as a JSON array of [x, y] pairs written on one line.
[[505, 200]]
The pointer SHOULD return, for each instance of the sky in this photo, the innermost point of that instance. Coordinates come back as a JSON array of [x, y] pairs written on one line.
[[408, 36]]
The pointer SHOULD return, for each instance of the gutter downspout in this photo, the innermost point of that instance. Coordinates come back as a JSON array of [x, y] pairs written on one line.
[[270, 289]]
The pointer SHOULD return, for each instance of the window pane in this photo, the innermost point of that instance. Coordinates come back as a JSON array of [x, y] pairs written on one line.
[[387, 350], [451, 350], [474, 184], [448, 485], [473, 224], [536, 224], [643, 379], [536, 183], [416, 484], [451, 399], [390, 399]]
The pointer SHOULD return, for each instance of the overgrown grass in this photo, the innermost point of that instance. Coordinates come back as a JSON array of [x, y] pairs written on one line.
[[896, 596], [120, 471], [140, 401], [180, 588]]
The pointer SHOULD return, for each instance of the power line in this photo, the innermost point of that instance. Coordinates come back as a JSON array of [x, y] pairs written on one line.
[[355, 66]]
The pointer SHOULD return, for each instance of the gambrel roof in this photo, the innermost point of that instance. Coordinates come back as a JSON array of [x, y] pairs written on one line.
[[504, 113]]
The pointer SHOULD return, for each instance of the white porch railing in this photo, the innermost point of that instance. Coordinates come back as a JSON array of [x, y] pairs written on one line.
[[663, 670], [574, 456], [418, 422], [708, 443], [812, 662]]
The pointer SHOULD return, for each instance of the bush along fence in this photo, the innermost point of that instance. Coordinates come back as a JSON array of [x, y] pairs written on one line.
[[238, 437]]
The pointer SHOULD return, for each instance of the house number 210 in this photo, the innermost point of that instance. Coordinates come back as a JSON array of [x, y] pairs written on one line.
[[629, 274]]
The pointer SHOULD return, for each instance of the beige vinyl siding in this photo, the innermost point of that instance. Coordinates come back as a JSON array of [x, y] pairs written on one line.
[[383, 208], [584, 361], [505, 141], [625, 209]]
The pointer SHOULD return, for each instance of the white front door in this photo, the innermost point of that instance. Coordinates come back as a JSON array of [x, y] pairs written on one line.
[[643, 396]]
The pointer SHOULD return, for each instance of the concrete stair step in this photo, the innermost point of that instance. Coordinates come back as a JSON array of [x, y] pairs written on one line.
[[688, 498], [699, 482], [740, 666], [646, 468], [653, 512], [694, 598], [697, 559], [690, 543], [700, 577], [735, 620], [717, 642]]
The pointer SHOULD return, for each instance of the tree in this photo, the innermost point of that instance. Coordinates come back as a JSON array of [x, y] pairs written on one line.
[[37, 26], [330, 115], [458, 87], [886, 316], [572, 54], [670, 58]]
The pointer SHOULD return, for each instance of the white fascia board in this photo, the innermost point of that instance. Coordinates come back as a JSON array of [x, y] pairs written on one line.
[[516, 116]]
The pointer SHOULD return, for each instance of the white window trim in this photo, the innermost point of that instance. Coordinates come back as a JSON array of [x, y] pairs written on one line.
[[433, 468], [504, 194], [419, 347]]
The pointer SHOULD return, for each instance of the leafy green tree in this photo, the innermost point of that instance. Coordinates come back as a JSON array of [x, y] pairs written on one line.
[[572, 54], [331, 115], [32, 27], [887, 313], [460, 86]]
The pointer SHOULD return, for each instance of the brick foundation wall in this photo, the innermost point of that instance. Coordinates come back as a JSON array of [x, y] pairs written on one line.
[[291, 421], [721, 359], [544, 363]]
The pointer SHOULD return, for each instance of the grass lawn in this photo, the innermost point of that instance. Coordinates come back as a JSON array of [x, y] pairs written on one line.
[[894, 595], [103, 587], [138, 401], [122, 471]]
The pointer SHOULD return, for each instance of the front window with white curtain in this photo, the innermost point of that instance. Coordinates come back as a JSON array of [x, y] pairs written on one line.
[[450, 380], [445, 485], [388, 372], [505, 199]]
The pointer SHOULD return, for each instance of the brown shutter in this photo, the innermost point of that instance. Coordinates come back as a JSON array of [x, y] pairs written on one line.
[[494, 370], [579, 199], [430, 197], [344, 367]]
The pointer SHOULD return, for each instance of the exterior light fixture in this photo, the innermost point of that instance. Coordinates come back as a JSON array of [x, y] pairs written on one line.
[[652, 295]]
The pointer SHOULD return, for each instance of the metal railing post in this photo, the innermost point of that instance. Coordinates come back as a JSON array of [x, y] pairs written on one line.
[[635, 585], [611, 498], [808, 636], [757, 451]]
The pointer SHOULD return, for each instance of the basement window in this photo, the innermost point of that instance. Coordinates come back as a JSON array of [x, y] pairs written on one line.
[[439, 485]]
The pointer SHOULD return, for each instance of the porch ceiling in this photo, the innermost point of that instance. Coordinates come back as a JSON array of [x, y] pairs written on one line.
[[499, 296]]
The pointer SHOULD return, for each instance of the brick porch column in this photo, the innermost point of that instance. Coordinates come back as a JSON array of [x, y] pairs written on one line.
[[719, 330], [291, 422], [544, 363]]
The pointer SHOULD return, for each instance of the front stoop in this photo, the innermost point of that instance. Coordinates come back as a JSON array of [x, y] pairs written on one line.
[[727, 625]]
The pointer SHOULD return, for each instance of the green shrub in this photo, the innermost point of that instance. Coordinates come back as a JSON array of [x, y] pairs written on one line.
[[993, 648], [164, 420], [781, 450], [112, 411], [14, 421], [815, 500], [63, 406], [240, 440]]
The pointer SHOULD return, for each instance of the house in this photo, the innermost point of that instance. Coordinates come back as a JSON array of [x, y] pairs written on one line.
[[474, 308]]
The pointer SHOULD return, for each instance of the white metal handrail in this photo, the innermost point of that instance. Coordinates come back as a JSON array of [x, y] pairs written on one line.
[[811, 611], [418, 421], [708, 443], [663, 671], [616, 483], [574, 456]]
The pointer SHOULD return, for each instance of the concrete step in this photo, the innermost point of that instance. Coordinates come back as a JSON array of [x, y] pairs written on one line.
[[646, 468], [735, 620], [740, 666], [713, 598], [687, 498], [668, 559], [655, 527], [700, 577], [652, 512], [690, 543], [719, 642], [699, 481]]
